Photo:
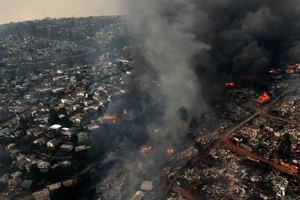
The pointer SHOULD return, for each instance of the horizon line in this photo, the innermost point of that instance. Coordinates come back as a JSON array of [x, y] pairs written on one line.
[[40, 19]]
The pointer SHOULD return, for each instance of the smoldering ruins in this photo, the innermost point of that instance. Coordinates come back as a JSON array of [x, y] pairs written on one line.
[[187, 51]]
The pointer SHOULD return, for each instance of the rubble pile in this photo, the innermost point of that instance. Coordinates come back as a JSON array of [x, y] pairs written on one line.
[[288, 108], [187, 153]]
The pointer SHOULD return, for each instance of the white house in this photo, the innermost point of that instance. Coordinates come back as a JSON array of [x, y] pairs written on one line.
[[67, 147], [42, 195], [43, 166]]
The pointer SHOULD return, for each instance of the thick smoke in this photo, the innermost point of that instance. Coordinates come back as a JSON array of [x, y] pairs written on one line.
[[191, 44], [245, 36], [251, 36], [169, 48]]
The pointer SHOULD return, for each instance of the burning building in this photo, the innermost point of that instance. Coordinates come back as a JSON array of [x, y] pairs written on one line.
[[290, 69], [170, 151], [230, 84], [274, 71], [264, 97], [146, 148]]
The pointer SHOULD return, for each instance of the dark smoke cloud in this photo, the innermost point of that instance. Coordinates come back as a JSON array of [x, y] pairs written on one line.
[[190, 44], [251, 36]]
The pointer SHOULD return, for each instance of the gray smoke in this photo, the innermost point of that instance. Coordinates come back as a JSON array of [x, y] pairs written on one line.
[[191, 44], [169, 48], [245, 36]]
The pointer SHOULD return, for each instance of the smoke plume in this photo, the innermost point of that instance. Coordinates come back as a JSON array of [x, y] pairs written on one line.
[[187, 45], [245, 36], [191, 44], [169, 48]]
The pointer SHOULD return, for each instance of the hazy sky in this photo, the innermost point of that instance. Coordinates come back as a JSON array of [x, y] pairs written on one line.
[[21, 10]]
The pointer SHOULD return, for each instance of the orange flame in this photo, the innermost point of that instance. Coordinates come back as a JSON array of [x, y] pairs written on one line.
[[297, 64], [148, 148], [264, 97], [125, 111], [230, 84], [113, 116], [170, 151], [271, 71]]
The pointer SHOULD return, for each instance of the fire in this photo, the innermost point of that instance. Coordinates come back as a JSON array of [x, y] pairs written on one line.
[[113, 116], [125, 111], [264, 97], [297, 64], [170, 151], [230, 84], [148, 148], [271, 71]]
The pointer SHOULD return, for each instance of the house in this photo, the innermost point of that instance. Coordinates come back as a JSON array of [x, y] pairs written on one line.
[[66, 163], [138, 195], [29, 167], [70, 182], [76, 107], [4, 178], [36, 133], [42, 194], [55, 128], [53, 143], [27, 184], [88, 103], [41, 141], [21, 164], [30, 157], [16, 175], [54, 186], [147, 185], [58, 90], [67, 147], [69, 135], [44, 166], [10, 146], [19, 133], [20, 157], [4, 132], [82, 136], [81, 148], [14, 183], [14, 153], [290, 69]]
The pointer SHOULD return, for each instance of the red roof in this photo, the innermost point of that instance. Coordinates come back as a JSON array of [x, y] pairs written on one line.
[[290, 67]]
